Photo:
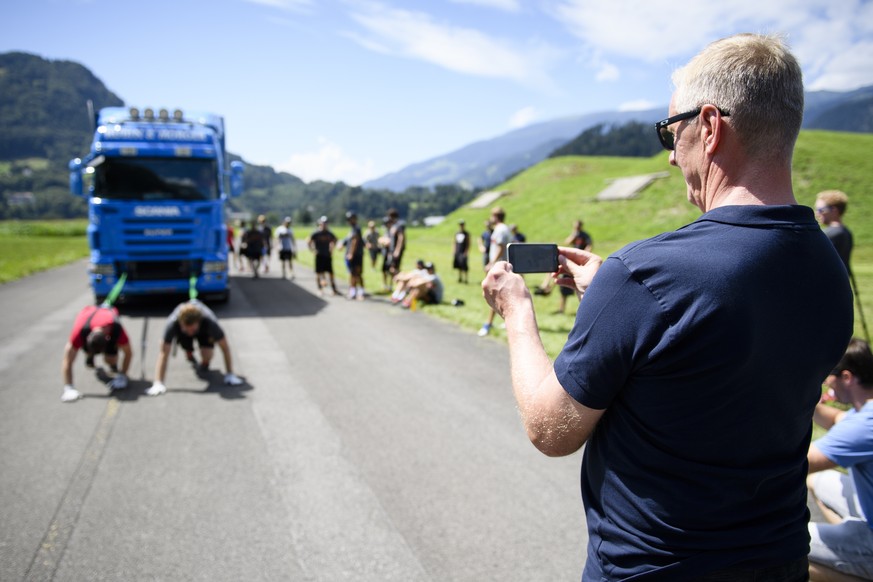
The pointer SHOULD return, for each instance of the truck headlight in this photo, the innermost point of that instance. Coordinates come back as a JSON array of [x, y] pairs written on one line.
[[101, 268], [214, 266]]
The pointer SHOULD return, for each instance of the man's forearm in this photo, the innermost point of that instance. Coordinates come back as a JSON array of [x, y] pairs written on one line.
[[125, 358], [161, 365], [826, 416]]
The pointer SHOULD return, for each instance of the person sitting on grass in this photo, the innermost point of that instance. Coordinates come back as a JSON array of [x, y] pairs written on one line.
[[427, 289], [401, 281], [843, 548]]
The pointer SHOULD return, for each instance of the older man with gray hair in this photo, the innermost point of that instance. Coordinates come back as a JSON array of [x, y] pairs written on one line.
[[693, 368]]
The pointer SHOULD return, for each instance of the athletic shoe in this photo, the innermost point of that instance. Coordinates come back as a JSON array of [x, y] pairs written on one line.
[[486, 329]]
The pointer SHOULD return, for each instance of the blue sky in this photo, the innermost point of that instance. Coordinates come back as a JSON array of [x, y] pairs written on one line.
[[354, 89]]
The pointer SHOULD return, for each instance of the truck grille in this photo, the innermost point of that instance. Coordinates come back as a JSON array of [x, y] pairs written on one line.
[[158, 270]]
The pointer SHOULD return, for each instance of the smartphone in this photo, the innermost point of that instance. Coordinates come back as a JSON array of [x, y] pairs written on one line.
[[532, 257]]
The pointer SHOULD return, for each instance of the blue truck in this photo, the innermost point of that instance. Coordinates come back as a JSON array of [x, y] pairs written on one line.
[[157, 184]]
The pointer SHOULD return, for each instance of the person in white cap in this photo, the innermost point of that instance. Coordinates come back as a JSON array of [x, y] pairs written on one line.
[[287, 247]]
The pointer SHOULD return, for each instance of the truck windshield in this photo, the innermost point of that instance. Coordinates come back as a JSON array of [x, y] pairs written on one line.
[[155, 178]]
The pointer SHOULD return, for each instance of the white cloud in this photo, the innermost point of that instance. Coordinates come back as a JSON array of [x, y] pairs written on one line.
[[522, 117], [291, 5], [416, 35], [607, 72], [638, 105], [507, 5], [329, 163], [832, 40]]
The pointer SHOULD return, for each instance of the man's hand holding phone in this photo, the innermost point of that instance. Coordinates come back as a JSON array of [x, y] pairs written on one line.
[[579, 265]]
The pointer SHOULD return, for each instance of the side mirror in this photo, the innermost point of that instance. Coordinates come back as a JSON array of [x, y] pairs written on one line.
[[236, 178], [76, 177]]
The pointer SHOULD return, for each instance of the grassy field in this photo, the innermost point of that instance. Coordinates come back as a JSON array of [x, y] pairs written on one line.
[[30, 246], [544, 201]]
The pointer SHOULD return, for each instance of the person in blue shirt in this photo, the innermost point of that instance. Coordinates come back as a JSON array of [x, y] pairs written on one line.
[[844, 544], [694, 364]]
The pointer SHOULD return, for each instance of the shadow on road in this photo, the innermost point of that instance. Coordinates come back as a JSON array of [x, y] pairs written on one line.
[[267, 297], [136, 389]]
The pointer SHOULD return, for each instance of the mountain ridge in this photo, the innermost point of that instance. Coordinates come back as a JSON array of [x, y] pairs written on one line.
[[488, 162]]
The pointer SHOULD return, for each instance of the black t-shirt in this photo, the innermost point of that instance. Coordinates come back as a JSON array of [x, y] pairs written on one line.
[[322, 241]]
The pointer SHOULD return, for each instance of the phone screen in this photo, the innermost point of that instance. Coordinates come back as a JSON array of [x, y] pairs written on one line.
[[532, 257]]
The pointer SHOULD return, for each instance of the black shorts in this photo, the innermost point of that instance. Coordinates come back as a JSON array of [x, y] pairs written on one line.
[[253, 252], [356, 262], [392, 263], [430, 297], [285, 255], [323, 264], [460, 263], [204, 340]]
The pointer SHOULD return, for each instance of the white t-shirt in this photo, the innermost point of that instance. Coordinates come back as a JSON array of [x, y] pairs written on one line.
[[501, 237]]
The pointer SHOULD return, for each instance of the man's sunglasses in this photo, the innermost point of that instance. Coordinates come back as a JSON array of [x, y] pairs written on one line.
[[667, 137]]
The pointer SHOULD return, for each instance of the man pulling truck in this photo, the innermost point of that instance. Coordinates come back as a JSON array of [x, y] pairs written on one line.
[[96, 330], [189, 321]]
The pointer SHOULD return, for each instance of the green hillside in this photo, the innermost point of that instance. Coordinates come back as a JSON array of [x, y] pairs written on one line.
[[545, 199]]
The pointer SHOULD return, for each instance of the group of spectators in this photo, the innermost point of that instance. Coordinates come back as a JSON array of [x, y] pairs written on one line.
[[256, 246], [357, 245]]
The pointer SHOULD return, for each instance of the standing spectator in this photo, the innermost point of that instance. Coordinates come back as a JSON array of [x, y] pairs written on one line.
[[322, 242], [461, 253], [485, 243], [690, 374], [267, 233], [830, 206], [232, 255], [397, 241], [190, 321], [384, 243], [517, 236], [252, 246], [287, 247], [578, 239], [371, 239], [96, 330], [845, 544], [355, 257], [500, 238]]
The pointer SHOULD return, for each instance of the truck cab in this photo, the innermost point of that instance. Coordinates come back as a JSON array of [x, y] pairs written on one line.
[[157, 186]]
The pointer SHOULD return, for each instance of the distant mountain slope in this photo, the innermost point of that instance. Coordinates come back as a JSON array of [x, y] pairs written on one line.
[[42, 106], [851, 111], [489, 162]]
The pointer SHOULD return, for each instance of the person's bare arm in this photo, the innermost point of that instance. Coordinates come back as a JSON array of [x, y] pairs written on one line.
[[161, 365], [817, 460], [126, 355], [556, 424], [67, 363], [225, 351], [827, 416]]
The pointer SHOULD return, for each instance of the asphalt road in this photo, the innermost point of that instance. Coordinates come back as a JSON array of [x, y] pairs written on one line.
[[368, 443]]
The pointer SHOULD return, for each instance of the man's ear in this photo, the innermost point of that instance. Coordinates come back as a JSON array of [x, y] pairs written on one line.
[[711, 128]]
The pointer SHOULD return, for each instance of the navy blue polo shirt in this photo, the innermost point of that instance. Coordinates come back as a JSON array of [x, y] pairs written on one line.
[[707, 347]]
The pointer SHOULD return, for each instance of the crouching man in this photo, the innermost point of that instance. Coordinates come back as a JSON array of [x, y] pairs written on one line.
[[97, 331], [189, 321]]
